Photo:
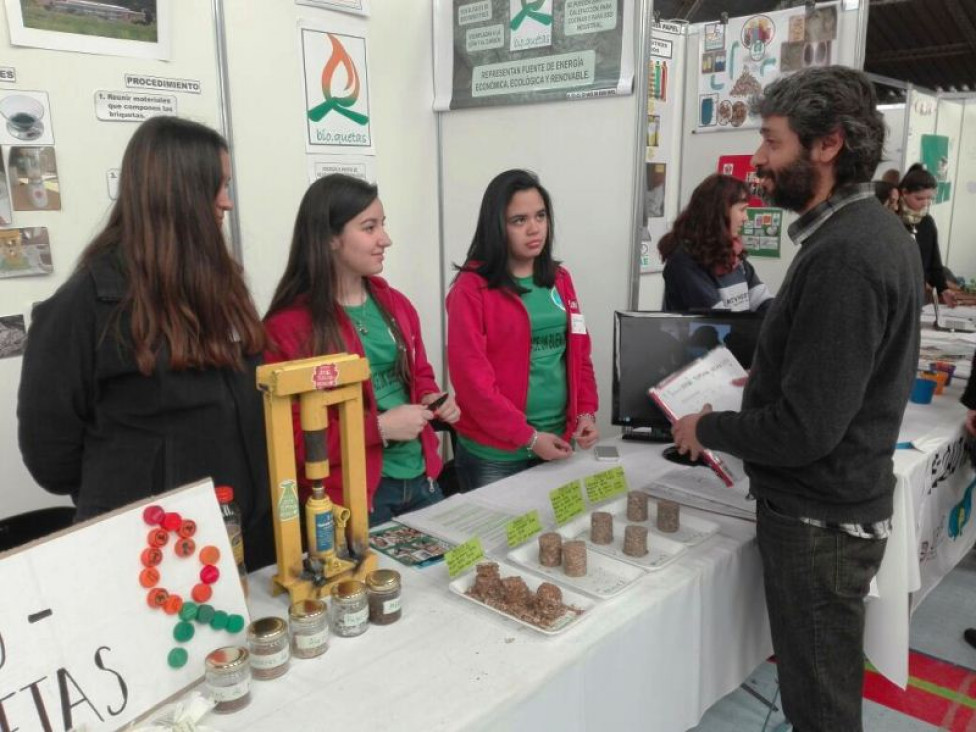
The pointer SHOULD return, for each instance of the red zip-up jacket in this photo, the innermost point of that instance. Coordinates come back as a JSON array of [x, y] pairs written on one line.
[[289, 331], [489, 345]]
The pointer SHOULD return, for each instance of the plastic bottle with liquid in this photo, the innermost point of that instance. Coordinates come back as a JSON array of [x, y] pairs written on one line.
[[234, 522]]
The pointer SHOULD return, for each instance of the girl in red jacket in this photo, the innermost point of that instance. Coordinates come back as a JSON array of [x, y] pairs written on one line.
[[339, 242], [518, 349]]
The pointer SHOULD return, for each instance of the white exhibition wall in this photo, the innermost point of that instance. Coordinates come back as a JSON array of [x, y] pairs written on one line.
[[961, 254]]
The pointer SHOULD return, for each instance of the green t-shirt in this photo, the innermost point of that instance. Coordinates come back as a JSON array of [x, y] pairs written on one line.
[[545, 406], [401, 460]]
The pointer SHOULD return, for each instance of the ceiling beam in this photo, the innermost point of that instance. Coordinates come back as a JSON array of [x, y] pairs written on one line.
[[962, 22], [920, 54]]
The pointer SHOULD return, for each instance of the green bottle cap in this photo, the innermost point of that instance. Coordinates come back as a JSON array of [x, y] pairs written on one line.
[[183, 631], [235, 623], [219, 620], [177, 658], [188, 611], [205, 614]]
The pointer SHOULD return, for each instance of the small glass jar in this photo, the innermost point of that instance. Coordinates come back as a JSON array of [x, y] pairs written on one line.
[[270, 650], [349, 614], [383, 591], [309, 625], [228, 675]]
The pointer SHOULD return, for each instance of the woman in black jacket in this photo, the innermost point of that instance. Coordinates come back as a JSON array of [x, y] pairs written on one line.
[[916, 192], [139, 371]]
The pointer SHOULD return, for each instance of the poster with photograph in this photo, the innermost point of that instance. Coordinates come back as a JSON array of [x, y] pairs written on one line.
[[657, 178], [934, 151], [136, 28], [13, 336], [34, 182], [737, 63], [409, 546], [25, 252], [740, 166], [359, 7], [762, 231], [26, 118], [6, 208], [499, 52], [336, 82]]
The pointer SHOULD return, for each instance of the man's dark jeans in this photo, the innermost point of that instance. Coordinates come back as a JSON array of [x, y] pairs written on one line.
[[816, 581]]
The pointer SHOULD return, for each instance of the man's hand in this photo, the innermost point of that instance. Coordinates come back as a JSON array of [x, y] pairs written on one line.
[[685, 433]]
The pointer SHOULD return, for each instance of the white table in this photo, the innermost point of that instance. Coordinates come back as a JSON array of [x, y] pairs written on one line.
[[655, 657]]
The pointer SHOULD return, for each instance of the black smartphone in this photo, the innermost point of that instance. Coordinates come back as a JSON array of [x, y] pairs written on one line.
[[438, 402]]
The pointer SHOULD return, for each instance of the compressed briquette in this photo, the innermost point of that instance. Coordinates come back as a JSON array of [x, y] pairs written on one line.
[[637, 506], [635, 540], [574, 558], [550, 549], [601, 528], [668, 516]]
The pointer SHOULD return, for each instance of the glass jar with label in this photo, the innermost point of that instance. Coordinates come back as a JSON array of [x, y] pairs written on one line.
[[309, 625], [383, 590], [228, 675], [349, 614], [268, 641]]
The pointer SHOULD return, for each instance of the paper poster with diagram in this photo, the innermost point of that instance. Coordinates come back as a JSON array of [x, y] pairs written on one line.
[[761, 232], [740, 166], [935, 158], [25, 252], [753, 51]]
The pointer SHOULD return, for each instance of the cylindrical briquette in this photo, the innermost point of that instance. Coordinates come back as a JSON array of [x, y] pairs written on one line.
[[574, 558], [601, 527], [635, 540], [550, 549], [637, 506], [668, 516]]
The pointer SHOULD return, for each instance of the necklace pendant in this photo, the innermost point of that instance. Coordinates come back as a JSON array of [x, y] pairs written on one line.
[[363, 330]]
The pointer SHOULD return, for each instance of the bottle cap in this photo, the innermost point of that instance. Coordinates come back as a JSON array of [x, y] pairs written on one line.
[[183, 631], [225, 493], [383, 579], [177, 658], [348, 590], [219, 620], [266, 629], [226, 658], [306, 609], [235, 623]]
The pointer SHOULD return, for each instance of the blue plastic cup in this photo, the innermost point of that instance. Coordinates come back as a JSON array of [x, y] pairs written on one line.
[[922, 391]]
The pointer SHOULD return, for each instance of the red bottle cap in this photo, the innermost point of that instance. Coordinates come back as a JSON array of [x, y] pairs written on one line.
[[201, 592], [185, 547], [173, 604], [188, 528], [209, 574], [225, 493], [158, 537], [209, 555], [172, 521], [149, 577], [151, 556], [157, 597], [153, 515]]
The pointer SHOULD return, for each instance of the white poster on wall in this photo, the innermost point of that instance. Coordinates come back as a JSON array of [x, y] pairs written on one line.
[[336, 85], [499, 52], [739, 59], [140, 28], [358, 166]]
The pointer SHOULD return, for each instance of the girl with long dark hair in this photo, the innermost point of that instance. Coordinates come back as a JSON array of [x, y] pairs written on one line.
[[331, 300], [704, 260], [517, 344], [139, 371]]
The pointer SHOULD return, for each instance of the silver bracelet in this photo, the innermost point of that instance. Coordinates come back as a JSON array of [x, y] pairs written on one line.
[[535, 439], [383, 437]]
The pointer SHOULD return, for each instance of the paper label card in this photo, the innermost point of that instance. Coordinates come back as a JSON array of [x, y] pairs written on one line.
[[567, 502], [523, 528], [464, 556], [606, 484]]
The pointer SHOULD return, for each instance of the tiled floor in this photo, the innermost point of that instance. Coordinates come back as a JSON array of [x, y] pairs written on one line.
[[936, 630]]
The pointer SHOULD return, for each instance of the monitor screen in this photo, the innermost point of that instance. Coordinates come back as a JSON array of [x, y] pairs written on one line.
[[649, 346]]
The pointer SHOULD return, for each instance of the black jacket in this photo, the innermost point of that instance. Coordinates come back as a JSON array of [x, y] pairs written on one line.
[[927, 236], [93, 427]]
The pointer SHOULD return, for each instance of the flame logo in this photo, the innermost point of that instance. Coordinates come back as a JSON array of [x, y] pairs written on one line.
[[340, 104]]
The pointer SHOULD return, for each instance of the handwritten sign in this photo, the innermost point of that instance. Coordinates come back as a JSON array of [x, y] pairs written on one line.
[[609, 483], [78, 642], [567, 502], [522, 528], [464, 556]]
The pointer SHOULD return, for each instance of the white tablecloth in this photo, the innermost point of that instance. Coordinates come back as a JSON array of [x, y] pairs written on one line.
[[655, 657]]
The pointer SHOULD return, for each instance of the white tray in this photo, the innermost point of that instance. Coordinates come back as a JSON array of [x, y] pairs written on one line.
[[462, 584], [605, 576], [692, 530], [660, 551]]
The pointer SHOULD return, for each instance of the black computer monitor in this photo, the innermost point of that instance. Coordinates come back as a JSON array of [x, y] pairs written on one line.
[[648, 346]]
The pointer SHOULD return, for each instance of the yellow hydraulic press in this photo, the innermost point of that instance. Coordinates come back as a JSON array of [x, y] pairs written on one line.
[[317, 384]]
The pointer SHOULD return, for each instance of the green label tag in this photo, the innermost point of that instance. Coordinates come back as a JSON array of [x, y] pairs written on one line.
[[288, 501], [609, 483], [464, 556], [567, 502], [523, 528]]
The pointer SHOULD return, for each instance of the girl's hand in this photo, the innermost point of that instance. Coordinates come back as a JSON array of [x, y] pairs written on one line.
[[551, 447], [587, 434], [404, 422], [447, 412]]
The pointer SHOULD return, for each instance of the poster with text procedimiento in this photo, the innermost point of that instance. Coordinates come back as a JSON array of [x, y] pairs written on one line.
[[500, 52]]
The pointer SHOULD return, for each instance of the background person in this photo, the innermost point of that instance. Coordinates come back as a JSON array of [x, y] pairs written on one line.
[[917, 191], [821, 411], [139, 371], [331, 300], [517, 344], [705, 266]]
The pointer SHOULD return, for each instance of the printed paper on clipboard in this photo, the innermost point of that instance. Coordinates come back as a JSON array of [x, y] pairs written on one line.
[[706, 380]]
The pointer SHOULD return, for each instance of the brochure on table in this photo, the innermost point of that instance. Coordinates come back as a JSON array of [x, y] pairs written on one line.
[[78, 634]]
